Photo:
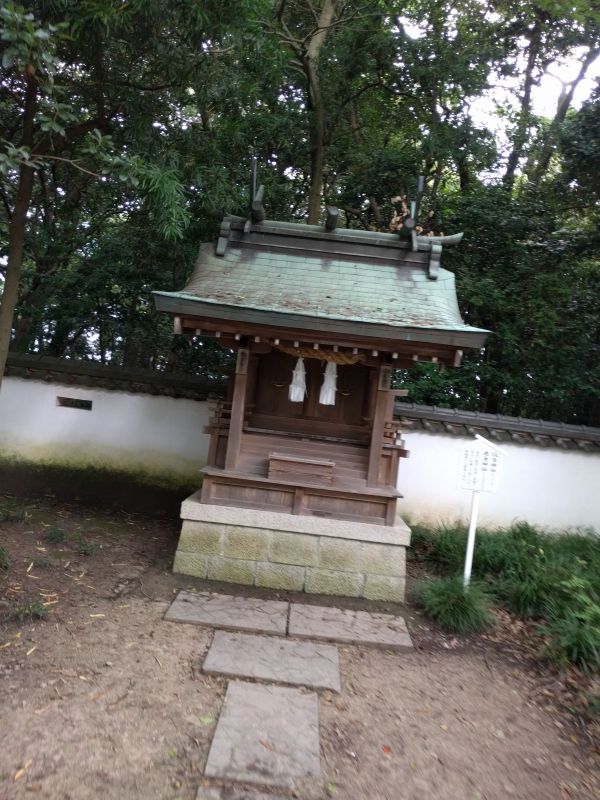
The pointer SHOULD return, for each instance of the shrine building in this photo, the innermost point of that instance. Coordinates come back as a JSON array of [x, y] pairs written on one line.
[[300, 490]]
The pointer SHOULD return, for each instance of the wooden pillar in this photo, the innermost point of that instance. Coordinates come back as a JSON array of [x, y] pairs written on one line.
[[237, 409], [383, 411], [371, 396]]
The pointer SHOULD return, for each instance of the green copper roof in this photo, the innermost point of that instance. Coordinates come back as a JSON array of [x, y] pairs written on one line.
[[304, 271]]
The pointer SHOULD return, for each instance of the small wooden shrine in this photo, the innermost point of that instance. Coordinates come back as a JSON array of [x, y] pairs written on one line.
[[300, 489]]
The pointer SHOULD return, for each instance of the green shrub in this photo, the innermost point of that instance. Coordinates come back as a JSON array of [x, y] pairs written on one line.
[[55, 535], [574, 545], [524, 532], [495, 552], [550, 577], [576, 552], [572, 628], [421, 542], [4, 557], [449, 548], [526, 593], [505, 551], [453, 608]]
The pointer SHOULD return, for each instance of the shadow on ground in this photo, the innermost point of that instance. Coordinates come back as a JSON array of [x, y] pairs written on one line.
[[94, 487]]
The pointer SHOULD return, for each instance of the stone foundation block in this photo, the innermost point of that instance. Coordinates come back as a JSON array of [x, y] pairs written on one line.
[[384, 587], [341, 555], [231, 570], [292, 552], [280, 576], [190, 564], [294, 548], [248, 544], [201, 537], [345, 584], [384, 559]]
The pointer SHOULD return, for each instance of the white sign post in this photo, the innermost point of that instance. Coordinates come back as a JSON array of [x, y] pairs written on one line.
[[480, 467]]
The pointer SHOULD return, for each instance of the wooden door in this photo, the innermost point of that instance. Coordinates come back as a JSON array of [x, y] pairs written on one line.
[[273, 379]]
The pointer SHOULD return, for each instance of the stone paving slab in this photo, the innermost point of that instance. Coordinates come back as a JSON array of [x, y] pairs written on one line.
[[230, 612], [269, 658], [267, 735], [231, 793], [386, 631]]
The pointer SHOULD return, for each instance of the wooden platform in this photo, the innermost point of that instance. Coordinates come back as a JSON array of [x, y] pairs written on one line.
[[301, 475]]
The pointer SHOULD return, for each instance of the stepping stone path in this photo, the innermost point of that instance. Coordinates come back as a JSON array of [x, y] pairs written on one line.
[[350, 627], [229, 793], [269, 658], [230, 612], [269, 735], [266, 734]]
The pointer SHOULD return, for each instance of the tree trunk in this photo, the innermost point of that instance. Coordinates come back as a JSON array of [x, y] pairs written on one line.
[[317, 148], [520, 136], [17, 226], [310, 62], [564, 103]]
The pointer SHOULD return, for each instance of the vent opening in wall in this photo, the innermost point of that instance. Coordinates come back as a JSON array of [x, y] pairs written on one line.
[[74, 402]]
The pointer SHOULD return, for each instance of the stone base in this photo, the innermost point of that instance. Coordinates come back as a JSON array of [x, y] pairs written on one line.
[[289, 552]]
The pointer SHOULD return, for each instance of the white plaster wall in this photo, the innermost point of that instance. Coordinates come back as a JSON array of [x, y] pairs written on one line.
[[549, 487], [123, 430]]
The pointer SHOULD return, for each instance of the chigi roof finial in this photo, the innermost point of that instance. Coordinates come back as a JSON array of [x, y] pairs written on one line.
[[257, 194]]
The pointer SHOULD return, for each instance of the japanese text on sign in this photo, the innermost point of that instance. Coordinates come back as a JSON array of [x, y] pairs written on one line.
[[479, 468]]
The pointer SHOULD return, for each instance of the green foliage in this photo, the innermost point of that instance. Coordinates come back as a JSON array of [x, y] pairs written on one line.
[[86, 548], [572, 627], [527, 594], [454, 608], [4, 557], [26, 42], [55, 535], [11, 511], [36, 610], [593, 705], [450, 548], [148, 113], [580, 145], [551, 578]]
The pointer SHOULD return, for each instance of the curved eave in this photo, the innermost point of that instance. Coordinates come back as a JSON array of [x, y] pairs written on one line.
[[184, 304]]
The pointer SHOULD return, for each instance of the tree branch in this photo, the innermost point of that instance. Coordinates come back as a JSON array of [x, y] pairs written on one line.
[[563, 105], [73, 163]]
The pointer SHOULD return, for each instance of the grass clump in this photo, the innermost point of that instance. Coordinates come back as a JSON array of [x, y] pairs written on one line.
[[55, 535], [85, 548], [4, 557], [10, 511], [572, 625], [454, 608], [35, 610]]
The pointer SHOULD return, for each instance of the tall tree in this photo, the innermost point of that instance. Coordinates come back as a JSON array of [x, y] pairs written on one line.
[[90, 83]]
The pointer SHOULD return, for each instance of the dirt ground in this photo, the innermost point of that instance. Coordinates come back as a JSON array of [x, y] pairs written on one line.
[[104, 699]]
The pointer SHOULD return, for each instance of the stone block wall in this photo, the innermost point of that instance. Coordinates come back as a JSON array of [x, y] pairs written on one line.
[[293, 561]]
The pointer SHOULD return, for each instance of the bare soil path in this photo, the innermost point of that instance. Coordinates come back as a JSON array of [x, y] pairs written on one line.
[[104, 699]]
